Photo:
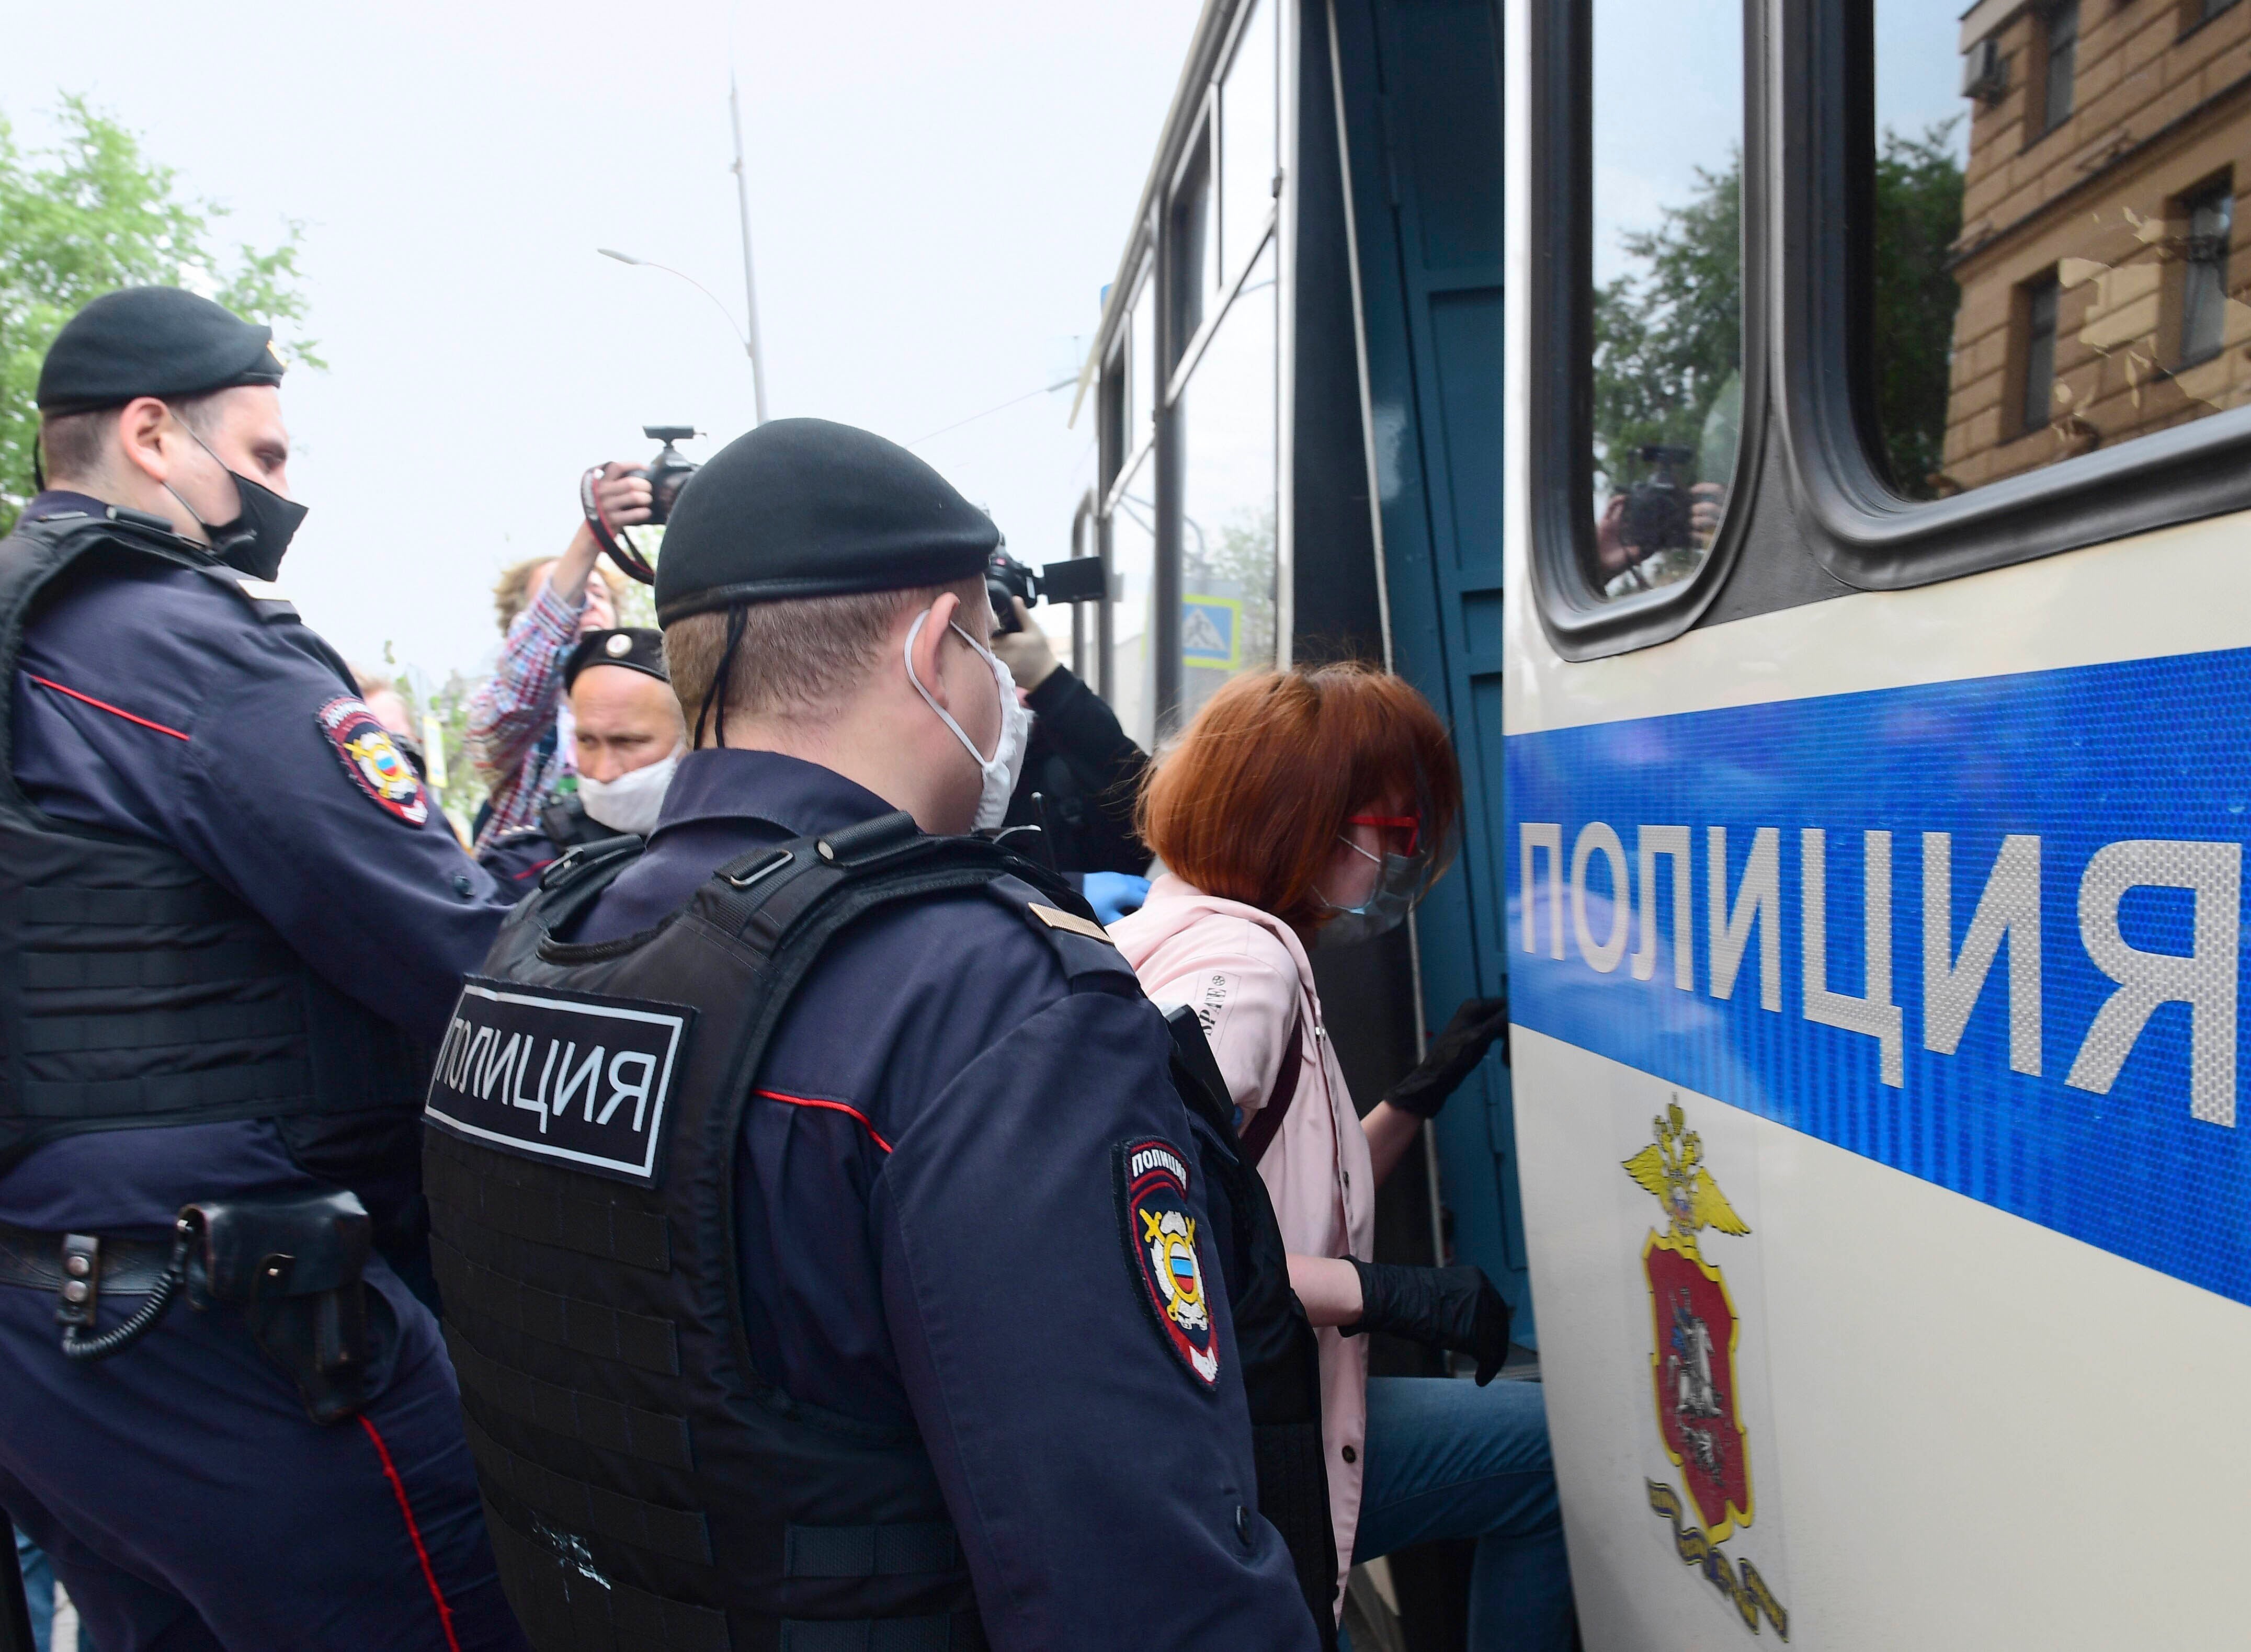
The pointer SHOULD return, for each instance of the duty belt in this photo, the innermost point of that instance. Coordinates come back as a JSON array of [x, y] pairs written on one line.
[[44, 1262]]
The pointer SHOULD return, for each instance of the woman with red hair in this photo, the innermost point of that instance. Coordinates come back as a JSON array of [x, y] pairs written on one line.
[[1315, 807]]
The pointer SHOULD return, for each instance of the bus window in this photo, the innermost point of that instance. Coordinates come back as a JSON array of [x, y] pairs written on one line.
[[1246, 139], [1132, 567], [1667, 194], [1225, 420], [1141, 367], [2054, 267], [1194, 250]]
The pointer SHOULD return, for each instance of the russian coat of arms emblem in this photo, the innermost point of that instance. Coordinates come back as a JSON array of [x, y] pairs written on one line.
[[1694, 1329], [1693, 1359]]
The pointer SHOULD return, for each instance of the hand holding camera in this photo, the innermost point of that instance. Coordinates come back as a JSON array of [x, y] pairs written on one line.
[[617, 497], [1023, 647], [1010, 582]]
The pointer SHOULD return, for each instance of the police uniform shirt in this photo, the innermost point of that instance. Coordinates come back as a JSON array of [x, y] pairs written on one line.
[[157, 701], [929, 1236]]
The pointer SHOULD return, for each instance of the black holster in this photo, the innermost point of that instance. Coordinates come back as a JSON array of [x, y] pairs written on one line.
[[292, 1265]]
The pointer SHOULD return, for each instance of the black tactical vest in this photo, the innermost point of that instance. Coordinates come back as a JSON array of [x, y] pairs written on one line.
[[135, 991], [645, 1487]]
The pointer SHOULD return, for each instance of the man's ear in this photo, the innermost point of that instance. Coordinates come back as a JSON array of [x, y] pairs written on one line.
[[141, 431], [929, 644]]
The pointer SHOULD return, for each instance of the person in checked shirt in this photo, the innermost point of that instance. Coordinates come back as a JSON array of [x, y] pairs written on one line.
[[517, 729]]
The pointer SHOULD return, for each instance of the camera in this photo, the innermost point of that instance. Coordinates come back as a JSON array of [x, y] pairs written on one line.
[[1657, 507], [668, 473], [1078, 580]]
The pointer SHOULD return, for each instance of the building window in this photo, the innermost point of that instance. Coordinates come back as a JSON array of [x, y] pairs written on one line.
[[2210, 214], [2062, 29], [2038, 403]]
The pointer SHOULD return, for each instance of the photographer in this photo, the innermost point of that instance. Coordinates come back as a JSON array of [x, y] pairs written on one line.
[[1655, 530], [1081, 774], [518, 740]]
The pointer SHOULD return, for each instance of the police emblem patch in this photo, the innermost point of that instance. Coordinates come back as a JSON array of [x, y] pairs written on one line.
[[373, 759], [1160, 1248]]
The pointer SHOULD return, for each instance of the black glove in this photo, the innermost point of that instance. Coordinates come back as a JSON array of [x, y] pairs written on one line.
[[1451, 1307], [1453, 1056]]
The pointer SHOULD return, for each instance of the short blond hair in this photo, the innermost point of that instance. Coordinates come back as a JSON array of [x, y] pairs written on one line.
[[512, 592], [797, 659]]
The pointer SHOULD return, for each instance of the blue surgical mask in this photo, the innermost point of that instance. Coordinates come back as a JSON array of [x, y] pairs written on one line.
[[1399, 882]]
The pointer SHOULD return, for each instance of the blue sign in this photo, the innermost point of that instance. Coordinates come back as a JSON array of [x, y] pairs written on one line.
[[1211, 633], [1986, 932]]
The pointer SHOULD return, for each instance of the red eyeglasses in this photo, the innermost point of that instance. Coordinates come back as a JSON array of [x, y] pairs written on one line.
[[1401, 833]]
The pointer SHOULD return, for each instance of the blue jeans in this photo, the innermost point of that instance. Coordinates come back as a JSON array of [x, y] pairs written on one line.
[[38, 1589], [1448, 1459]]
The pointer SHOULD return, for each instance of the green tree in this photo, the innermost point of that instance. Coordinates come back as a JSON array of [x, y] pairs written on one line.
[[1669, 334], [91, 215], [1918, 220]]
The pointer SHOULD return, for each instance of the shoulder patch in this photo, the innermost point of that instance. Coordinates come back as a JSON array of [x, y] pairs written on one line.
[[1161, 1252], [1081, 946], [1055, 920], [372, 758], [266, 600]]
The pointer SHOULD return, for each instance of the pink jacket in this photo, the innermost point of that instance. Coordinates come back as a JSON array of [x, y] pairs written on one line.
[[1246, 973]]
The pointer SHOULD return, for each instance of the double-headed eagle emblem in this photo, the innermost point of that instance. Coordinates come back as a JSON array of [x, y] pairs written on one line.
[[1673, 1168]]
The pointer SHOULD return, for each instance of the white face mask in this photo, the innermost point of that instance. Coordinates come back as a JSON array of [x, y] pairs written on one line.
[[631, 802], [1000, 771]]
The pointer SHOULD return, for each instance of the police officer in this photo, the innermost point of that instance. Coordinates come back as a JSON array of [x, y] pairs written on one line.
[[824, 1258], [231, 925], [627, 725]]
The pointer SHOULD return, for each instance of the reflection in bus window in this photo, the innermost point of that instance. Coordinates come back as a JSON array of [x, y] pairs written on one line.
[[1667, 116], [1132, 567], [1226, 422], [2210, 214], [2054, 267]]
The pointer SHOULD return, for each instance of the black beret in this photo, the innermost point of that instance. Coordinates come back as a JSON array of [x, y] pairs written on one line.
[[152, 340], [635, 647], [803, 507]]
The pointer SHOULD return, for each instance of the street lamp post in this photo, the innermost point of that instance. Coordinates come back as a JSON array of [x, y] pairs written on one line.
[[750, 280], [750, 342], [758, 376]]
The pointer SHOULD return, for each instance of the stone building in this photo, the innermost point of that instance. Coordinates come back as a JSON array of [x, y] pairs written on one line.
[[2098, 263]]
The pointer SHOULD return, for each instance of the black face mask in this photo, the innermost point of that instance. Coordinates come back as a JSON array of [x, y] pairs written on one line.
[[256, 541], [259, 537]]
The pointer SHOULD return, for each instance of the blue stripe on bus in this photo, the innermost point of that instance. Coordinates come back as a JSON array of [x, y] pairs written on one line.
[[2081, 759]]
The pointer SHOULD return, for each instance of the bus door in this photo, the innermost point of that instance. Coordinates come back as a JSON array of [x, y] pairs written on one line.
[[1878, 634], [1419, 87]]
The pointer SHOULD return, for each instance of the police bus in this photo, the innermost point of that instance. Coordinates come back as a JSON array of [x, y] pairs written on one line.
[[1801, 447]]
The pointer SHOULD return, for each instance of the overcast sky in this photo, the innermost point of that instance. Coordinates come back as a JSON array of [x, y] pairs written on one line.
[[939, 194]]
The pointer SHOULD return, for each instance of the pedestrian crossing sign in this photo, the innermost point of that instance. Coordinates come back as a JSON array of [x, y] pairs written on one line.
[[1211, 633]]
